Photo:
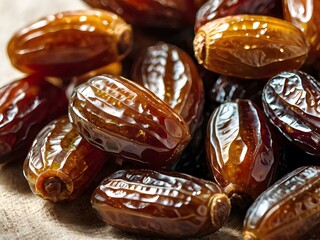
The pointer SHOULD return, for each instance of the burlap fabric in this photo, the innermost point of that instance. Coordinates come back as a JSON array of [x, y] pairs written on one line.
[[26, 216]]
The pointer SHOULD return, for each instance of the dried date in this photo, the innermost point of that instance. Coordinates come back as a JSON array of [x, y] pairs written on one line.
[[304, 14], [171, 74], [214, 9], [250, 46], [173, 205], [70, 43], [289, 209], [152, 13], [123, 118], [27, 105], [61, 164], [241, 153], [291, 100]]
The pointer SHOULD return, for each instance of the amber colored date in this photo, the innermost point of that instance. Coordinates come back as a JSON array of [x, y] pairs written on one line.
[[123, 118], [112, 69], [289, 209], [240, 151], [214, 9], [61, 164], [291, 100], [171, 74], [26, 105], [304, 14], [70, 43], [152, 13], [168, 204], [250, 46]]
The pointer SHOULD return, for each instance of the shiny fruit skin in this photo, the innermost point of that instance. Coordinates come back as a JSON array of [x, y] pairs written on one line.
[[152, 13], [27, 105], [214, 9], [291, 100], [123, 118], [61, 164], [166, 204], [250, 46], [289, 209], [241, 153], [70, 43], [171, 74], [304, 14]]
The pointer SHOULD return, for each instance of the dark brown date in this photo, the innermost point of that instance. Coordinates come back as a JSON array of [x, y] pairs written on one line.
[[27, 105], [291, 100], [70, 43], [214, 9], [123, 118], [240, 151], [289, 209], [250, 46], [172, 75], [152, 13], [304, 14], [61, 164], [168, 204]]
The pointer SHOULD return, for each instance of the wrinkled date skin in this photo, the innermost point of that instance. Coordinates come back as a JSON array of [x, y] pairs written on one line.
[[26, 105], [171, 74], [230, 88], [61, 164], [289, 209], [250, 46], [152, 13], [291, 100], [214, 9], [123, 118], [70, 43], [167, 204], [241, 154], [112, 69], [304, 14]]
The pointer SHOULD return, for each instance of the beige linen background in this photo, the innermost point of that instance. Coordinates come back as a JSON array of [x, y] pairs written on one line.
[[26, 216]]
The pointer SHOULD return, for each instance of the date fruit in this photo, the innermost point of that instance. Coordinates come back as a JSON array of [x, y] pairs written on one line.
[[123, 118], [112, 69], [289, 209], [166, 204], [70, 43], [214, 9], [61, 164], [241, 153], [291, 100], [172, 75], [26, 106], [250, 46], [304, 14], [152, 13]]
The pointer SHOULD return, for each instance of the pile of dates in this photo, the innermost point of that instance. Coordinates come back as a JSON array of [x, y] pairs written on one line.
[[188, 108]]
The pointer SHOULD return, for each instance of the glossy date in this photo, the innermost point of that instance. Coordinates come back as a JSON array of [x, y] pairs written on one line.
[[289, 209], [27, 105], [152, 13], [250, 46], [241, 153], [304, 14], [123, 118], [61, 164], [291, 100], [166, 204], [171, 74], [214, 9], [70, 43]]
